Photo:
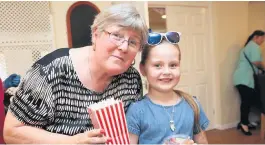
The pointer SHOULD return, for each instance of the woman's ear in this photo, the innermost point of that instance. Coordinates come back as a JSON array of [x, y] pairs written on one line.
[[255, 38], [142, 69], [94, 35]]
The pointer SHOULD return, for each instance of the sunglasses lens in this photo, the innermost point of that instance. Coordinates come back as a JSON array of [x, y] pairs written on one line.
[[173, 37], [154, 38]]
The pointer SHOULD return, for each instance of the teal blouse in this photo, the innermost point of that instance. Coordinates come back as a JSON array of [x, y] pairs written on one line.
[[243, 74]]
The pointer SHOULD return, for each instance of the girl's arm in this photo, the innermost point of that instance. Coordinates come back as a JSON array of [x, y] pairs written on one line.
[[133, 138], [201, 138]]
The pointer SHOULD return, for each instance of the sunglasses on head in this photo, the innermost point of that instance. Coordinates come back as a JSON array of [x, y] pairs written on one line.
[[156, 38]]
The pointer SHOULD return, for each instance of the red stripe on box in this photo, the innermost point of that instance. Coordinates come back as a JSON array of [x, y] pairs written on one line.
[[120, 123], [99, 120], [116, 124], [124, 122], [111, 126], [104, 120]]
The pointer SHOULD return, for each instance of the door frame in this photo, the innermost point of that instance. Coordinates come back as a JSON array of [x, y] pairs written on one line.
[[214, 79], [68, 18]]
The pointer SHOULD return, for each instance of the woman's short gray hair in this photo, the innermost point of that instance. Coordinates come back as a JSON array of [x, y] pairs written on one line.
[[122, 15]]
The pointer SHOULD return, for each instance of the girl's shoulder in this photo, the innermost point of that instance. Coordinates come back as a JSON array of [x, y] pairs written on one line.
[[196, 100], [138, 106]]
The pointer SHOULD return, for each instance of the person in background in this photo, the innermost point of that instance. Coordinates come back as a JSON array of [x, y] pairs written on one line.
[[50, 105], [8, 82], [2, 112], [12, 80], [244, 80]]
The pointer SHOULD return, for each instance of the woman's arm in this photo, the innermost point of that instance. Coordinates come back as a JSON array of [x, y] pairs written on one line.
[[259, 64], [17, 133], [201, 138]]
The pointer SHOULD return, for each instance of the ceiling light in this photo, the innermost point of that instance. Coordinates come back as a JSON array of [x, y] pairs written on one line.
[[164, 16]]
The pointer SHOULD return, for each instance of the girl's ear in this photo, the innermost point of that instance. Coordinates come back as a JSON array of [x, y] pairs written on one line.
[[142, 69]]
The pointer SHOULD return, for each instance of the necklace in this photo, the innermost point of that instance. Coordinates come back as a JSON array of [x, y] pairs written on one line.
[[171, 117], [91, 78]]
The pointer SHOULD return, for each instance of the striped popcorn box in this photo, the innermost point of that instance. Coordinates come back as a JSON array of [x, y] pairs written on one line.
[[109, 115]]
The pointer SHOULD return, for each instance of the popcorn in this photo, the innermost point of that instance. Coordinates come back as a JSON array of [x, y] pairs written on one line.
[[109, 115]]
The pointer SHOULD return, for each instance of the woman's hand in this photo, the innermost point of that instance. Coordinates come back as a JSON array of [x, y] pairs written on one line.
[[96, 136]]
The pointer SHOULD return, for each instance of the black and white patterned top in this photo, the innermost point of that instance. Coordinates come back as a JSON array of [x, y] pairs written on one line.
[[52, 97]]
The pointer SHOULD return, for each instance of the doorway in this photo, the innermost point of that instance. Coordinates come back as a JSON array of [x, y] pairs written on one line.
[[194, 24], [80, 17]]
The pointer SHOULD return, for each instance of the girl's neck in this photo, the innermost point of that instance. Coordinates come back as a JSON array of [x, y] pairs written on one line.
[[164, 98]]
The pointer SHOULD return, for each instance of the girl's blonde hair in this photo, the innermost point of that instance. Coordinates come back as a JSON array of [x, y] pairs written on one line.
[[195, 107], [122, 15], [191, 101]]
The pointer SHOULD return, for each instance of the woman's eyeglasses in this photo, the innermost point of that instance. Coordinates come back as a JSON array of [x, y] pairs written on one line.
[[156, 38], [119, 39]]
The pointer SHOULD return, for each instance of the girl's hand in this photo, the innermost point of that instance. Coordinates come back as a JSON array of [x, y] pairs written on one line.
[[188, 142]]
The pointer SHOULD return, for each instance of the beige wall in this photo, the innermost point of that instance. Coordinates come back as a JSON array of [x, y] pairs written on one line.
[[256, 18], [230, 24], [232, 27], [59, 11]]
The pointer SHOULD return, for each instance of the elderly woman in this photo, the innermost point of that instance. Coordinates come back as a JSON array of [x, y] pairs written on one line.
[[51, 103]]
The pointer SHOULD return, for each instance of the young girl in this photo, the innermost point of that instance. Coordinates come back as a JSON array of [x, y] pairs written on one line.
[[163, 111]]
